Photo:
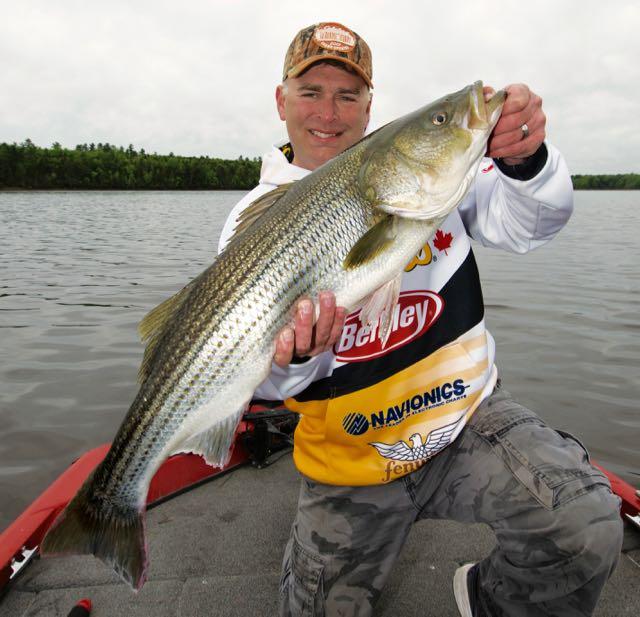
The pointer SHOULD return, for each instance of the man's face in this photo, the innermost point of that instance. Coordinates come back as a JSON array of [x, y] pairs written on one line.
[[326, 111]]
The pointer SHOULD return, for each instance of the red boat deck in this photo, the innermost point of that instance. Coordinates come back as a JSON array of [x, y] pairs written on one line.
[[216, 550]]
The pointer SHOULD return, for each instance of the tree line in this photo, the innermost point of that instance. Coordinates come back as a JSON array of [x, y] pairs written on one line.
[[606, 181], [104, 166]]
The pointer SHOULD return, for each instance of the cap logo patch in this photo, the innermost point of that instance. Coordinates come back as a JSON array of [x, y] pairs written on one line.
[[334, 37]]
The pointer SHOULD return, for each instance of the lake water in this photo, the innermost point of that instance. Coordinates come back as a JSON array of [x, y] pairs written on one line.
[[80, 269]]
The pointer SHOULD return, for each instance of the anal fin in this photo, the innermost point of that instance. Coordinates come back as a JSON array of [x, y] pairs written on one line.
[[214, 443]]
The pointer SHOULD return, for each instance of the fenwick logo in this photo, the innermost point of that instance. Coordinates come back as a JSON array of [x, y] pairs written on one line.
[[414, 314]]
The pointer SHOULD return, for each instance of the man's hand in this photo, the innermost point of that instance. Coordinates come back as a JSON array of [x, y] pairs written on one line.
[[305, 339], [508, 141]]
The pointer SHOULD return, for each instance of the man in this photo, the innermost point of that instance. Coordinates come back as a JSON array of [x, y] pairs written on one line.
[[369, 414]]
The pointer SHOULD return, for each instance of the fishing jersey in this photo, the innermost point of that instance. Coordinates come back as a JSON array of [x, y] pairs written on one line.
[[372, 413]]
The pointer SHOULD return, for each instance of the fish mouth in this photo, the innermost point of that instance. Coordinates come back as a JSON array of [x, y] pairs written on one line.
[[484, 114]]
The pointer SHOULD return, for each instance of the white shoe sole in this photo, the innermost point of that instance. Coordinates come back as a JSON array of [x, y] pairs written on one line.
[[461, 590]]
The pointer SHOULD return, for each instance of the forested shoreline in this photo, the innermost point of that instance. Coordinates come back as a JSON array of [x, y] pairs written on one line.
[[608, 182], [104, 166]]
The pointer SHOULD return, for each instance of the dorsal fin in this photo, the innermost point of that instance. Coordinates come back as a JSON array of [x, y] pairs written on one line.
[[153, 324], [257, 208]]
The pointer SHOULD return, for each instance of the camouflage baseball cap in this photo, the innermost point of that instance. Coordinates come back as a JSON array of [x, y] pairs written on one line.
[[324, 41]]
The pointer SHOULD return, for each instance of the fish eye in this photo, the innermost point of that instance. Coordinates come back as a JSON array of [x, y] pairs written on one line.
[[440, 117]]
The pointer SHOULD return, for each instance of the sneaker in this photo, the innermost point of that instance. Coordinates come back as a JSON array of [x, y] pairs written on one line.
[[464, 580]]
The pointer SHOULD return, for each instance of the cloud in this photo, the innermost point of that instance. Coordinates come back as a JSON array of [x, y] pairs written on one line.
[[198, 78]]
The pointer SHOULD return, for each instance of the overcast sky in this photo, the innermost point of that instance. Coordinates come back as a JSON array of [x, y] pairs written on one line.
[[197, 77]]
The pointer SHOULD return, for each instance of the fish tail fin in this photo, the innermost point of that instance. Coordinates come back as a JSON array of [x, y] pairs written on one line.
[[114, 535]]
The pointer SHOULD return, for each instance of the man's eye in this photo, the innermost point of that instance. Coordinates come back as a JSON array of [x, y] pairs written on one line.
[[349, 99], [310, 94]]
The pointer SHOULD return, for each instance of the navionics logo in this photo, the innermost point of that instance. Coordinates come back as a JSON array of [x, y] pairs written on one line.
[[356, 423]]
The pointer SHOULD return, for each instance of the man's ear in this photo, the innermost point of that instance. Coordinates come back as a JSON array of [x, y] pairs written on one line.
[[280, 101]]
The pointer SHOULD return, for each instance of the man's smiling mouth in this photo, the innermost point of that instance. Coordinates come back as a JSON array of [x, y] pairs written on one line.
[[322, 135]]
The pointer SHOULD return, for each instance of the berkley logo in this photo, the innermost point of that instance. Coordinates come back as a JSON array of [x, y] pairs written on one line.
[[414, 314]]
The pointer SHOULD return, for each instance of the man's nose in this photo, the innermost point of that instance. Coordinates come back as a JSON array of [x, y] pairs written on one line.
[[327, 110]]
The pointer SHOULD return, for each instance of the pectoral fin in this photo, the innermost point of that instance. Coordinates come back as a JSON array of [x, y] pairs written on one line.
[[374, 241]]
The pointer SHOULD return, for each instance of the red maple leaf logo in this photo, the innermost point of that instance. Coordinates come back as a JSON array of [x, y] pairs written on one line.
[[442, 241]]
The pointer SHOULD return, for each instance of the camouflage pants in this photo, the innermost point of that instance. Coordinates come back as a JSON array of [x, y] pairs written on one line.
[[555, 518]]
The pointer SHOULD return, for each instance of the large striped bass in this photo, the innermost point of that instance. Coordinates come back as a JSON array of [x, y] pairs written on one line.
[[350, 227]]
